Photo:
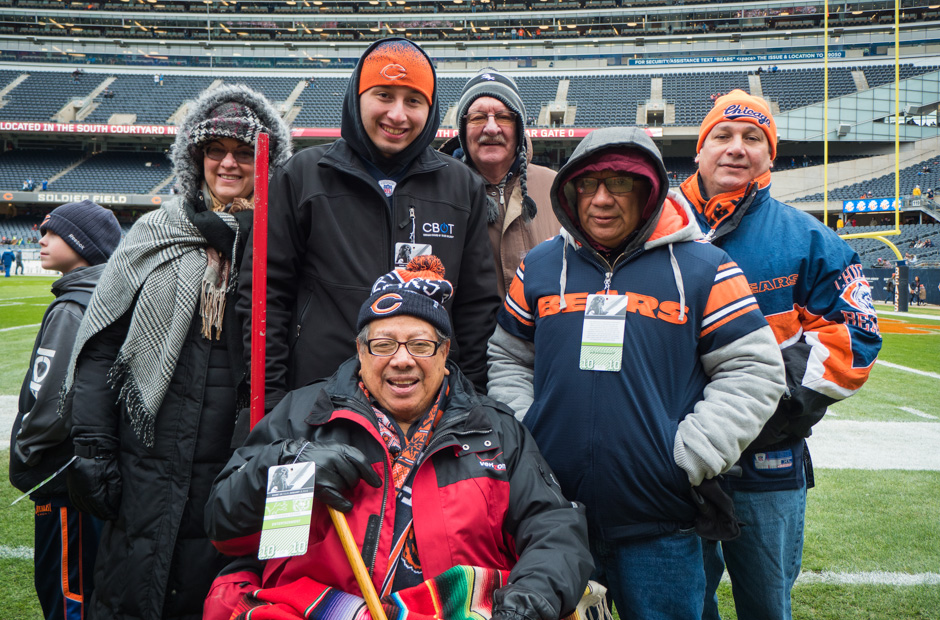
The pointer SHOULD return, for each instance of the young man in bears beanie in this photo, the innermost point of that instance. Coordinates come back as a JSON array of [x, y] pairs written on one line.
[[491, 140], [344, 213], [77, 239]]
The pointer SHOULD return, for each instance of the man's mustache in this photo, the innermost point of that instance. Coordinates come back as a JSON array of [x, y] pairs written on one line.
[[497, 139]]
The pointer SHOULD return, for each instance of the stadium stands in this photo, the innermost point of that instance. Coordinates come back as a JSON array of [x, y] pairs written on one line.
[[121, 172], [35, 164]]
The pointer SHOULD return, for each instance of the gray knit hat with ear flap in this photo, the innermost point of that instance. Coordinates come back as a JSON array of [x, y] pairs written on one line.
[[491, 83]]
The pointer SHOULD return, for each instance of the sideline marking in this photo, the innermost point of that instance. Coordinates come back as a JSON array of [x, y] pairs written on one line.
[[873, 578], [869, 578], [7, 329], [918, 413], [906, 369], [16, 553]]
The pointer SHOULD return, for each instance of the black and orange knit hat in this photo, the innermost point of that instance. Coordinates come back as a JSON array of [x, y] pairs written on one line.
[[418, 290], [397, 63]]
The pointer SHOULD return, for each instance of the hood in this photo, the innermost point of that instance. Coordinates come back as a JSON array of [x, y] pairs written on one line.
[[183, 154], [594, 144], [81, 279], [354, 132]]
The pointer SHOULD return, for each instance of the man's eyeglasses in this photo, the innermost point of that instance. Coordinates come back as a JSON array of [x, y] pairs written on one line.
[[615, 185], [503, 119], [386, 347], [241, 155]]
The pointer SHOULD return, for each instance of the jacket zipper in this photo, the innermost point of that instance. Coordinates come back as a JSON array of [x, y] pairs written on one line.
[[369, 415]]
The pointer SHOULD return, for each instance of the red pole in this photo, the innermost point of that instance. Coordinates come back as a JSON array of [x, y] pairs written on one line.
[[259, 279]]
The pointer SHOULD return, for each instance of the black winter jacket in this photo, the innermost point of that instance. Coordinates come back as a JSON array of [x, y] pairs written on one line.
[[157, 542], [332, 235], [40, 443]]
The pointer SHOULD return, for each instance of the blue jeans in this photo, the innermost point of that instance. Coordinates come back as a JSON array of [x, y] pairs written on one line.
[[653, 578], [765, 561]]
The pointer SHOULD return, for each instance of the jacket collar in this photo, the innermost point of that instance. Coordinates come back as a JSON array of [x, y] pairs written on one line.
[[727, 207], [340, 155]]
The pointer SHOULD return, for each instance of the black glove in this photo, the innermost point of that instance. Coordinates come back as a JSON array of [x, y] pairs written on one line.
[[716, 519], [94, 479], [339, 468]]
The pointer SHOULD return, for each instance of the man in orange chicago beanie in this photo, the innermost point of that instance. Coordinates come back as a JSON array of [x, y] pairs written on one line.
[[810, 286], [343, 214]]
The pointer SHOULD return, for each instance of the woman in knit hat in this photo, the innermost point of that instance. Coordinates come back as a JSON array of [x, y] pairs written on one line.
[[157, 376]]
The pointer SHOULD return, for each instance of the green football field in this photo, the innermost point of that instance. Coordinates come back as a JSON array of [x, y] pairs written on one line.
[[872, 536]]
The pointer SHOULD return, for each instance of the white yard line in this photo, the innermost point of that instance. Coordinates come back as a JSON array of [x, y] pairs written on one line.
[[924, 373], [9, 329], [16, 553], [918, 413], [879, 578], [848, 444]]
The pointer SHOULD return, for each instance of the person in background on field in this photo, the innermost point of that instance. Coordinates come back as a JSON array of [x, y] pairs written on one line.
[[819, 304], [491, 140], [158, 375], [19, 263], [77, 240], [7, 259]]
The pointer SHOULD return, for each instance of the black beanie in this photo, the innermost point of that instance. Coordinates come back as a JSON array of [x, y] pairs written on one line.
[[418, 290], [89, 229]]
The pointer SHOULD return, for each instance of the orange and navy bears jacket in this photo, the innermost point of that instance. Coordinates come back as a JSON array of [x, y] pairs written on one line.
[[811, 288], [609, 436]]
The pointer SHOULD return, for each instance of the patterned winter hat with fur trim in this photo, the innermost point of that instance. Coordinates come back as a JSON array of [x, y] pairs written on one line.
[[418, 290], [228, 120], [491, 83]]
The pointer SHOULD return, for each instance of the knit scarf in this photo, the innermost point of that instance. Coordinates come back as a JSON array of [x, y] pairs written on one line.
[[216, 281], [404, 460], [158, 270], [718, 209]]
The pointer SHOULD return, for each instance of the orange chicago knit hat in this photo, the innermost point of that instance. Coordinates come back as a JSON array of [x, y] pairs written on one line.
[[738, 106], [397, 63]]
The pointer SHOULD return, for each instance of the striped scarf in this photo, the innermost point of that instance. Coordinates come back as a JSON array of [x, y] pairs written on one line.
[[405, 547], [719, 208], [158, 270]]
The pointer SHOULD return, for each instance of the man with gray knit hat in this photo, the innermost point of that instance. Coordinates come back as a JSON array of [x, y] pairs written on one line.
[[491, 117]]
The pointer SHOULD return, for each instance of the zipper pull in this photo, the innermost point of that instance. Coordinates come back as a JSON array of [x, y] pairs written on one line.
[[411, 212], [710, 235], [502, 199], [607, 277]]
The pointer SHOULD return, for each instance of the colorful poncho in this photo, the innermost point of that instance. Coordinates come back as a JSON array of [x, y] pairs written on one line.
[[461, 593]]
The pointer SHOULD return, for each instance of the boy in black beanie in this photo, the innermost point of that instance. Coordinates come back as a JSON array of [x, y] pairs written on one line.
[[77, 239]]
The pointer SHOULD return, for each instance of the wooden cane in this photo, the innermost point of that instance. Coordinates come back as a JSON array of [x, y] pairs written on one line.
[[358, 566], [259, 279], [259, 302]]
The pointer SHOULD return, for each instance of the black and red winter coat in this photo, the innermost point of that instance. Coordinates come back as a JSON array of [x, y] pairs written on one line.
[[483, 496]]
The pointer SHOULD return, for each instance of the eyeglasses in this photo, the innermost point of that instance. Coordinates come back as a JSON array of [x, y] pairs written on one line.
[[386, 347], [241, 155], [503, 119], [615, 185]]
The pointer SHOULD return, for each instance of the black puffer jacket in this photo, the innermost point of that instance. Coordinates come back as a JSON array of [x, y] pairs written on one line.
[[154, 561]]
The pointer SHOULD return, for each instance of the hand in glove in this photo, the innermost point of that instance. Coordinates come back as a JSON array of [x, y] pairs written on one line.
[[716, 519], [339, 469], [94, 479]]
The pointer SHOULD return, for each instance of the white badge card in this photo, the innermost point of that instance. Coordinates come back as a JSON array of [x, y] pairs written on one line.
[[404, 252], [288, 508], [602, 336]]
